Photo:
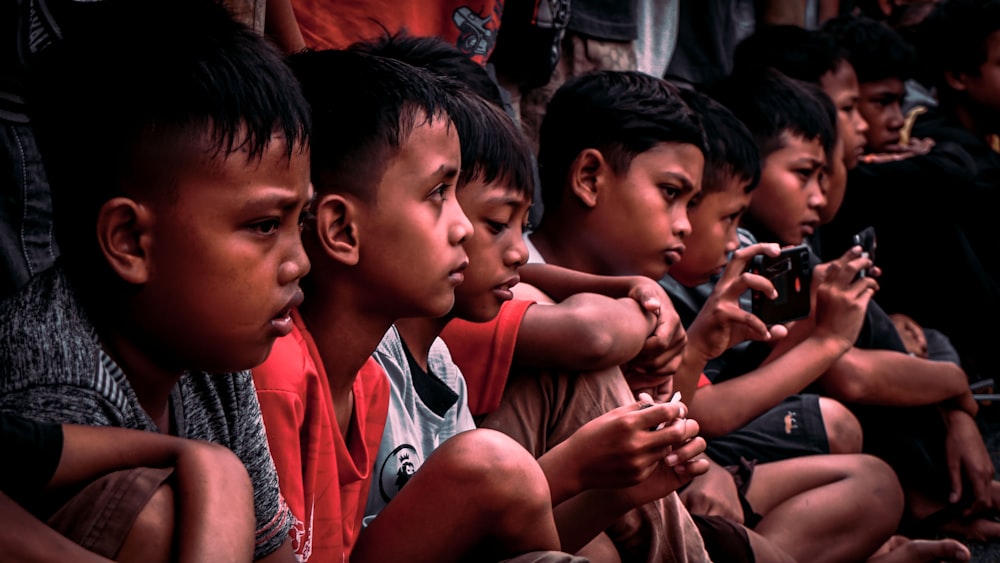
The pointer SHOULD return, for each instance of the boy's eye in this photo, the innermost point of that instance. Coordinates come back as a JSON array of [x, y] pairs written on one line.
[[266, 226], [496, 227], [440, 192], [670, 191]]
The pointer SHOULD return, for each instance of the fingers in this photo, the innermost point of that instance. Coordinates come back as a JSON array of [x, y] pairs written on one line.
[[741, 258]]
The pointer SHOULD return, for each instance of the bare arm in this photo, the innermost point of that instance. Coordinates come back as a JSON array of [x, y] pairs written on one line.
[[888, 377], [28, 539], [281, 27], [215, 497], [585, 331]]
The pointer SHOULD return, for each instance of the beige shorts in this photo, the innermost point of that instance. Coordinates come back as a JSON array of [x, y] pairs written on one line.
[[100, 516]]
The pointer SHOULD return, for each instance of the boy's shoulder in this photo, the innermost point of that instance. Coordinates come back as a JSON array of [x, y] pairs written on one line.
[[45, 335]]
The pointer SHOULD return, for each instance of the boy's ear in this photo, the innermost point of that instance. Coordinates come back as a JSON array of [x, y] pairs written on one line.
[[955, 81], [337, 228], [123, 233], [586, 175]]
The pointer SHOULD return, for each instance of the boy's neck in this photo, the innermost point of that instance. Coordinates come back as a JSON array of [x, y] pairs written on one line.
[[345, 333], [558, 244], [151, 382], [419, 334], [981, 122]]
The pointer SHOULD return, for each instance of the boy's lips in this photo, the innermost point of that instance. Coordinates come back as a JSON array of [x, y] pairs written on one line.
[[456, 275], [673, 255], [282, 322], [503, 292], [809, 227]]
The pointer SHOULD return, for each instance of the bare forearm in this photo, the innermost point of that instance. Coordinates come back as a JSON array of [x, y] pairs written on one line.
[[723, 407], [561, 283], [26, 538], [886, 377], [584, 332]]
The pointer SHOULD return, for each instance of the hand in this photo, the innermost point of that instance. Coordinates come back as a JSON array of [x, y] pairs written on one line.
[[840, 297], [714, 494], [912, 334], [893, 153], [663, 351], [721, 323], [618, 449], [967, 455]]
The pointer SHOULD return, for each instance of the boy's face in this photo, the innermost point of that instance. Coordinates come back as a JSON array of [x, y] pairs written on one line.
[[984, 88], [881, 107], [411, 254], [714, 219], [225, 260], [640, 220], [842, 87], [788, 199], [496, 249]]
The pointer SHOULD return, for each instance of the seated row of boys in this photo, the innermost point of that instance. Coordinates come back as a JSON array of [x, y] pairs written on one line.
[[198, 207]]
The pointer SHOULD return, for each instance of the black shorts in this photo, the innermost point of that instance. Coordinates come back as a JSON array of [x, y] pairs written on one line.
[[794, 428], [725, 540]]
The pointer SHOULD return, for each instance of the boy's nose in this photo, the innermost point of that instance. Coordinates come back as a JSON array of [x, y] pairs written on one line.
[[461, 228], [517, 254], [296, 266]]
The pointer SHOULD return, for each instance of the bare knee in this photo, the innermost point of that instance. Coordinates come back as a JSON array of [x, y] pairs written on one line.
[[504, 475], [152, 535], [843, 431]]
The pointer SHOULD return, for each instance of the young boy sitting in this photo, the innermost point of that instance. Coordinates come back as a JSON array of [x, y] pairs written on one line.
[[695, 286], [386, 243], [623, 158], [876, 379], [175, 140], [615, 457]]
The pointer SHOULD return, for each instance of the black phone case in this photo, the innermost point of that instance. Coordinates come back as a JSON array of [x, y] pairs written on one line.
[[791, 274]]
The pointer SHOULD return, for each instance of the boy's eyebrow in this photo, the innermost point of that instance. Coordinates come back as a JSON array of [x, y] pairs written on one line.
[[681, 179], [446, 172], [275, 197]]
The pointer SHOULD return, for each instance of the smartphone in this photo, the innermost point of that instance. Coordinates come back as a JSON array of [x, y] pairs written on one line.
[[866, 239], [791, 273]]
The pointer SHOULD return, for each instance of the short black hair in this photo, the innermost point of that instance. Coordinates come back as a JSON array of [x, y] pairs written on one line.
[[952, 39], [364, 107], [732, 151], [773, 105], [799, 53], [129, 77], [493, 147], [434, 54], [621, 113], [875, 50]]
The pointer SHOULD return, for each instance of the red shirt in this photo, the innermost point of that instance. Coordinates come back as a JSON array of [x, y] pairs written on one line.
[[470, 25], [484, 352], [323, 477]]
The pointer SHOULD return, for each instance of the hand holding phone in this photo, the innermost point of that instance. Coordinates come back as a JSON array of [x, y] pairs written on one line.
[[791, 274], [866, 240]]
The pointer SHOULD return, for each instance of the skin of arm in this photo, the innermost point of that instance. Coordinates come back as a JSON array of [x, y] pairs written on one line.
[[211, 484], [585, 331]]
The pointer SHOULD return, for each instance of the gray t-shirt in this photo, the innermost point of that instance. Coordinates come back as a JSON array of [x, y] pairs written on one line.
[[425, 409], [53, 369]]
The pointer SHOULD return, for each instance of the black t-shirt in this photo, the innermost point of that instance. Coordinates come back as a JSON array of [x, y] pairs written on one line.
[[31, 452]]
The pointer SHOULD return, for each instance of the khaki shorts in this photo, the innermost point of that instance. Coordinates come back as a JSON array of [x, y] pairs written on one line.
[[100, 516]]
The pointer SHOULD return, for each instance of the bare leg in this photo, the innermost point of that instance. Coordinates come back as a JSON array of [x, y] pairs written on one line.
[[828, 507], [482, 487], [600, 550], [843, 431]]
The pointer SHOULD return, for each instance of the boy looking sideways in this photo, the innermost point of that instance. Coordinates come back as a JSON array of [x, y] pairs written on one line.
[[386, 243], [695, 287], [913, 411], [176, 144]]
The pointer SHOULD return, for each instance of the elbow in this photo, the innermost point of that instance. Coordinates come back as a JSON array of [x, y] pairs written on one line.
[[597, 349]]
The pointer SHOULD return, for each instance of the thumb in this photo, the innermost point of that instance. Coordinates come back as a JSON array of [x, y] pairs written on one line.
[[955, 474]]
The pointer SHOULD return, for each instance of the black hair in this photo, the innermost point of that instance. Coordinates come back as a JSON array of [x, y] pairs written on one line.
[[798, 53], [131, 78], [364, 109], [493, 147], [952, 39], [732, 151], [875, 50], [434, 54], [620, 113], [773, 105]]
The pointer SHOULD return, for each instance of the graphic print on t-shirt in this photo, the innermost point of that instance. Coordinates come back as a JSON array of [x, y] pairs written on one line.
[[397, 470]]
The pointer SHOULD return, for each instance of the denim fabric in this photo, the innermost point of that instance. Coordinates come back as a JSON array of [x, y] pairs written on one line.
[[27, 245]]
